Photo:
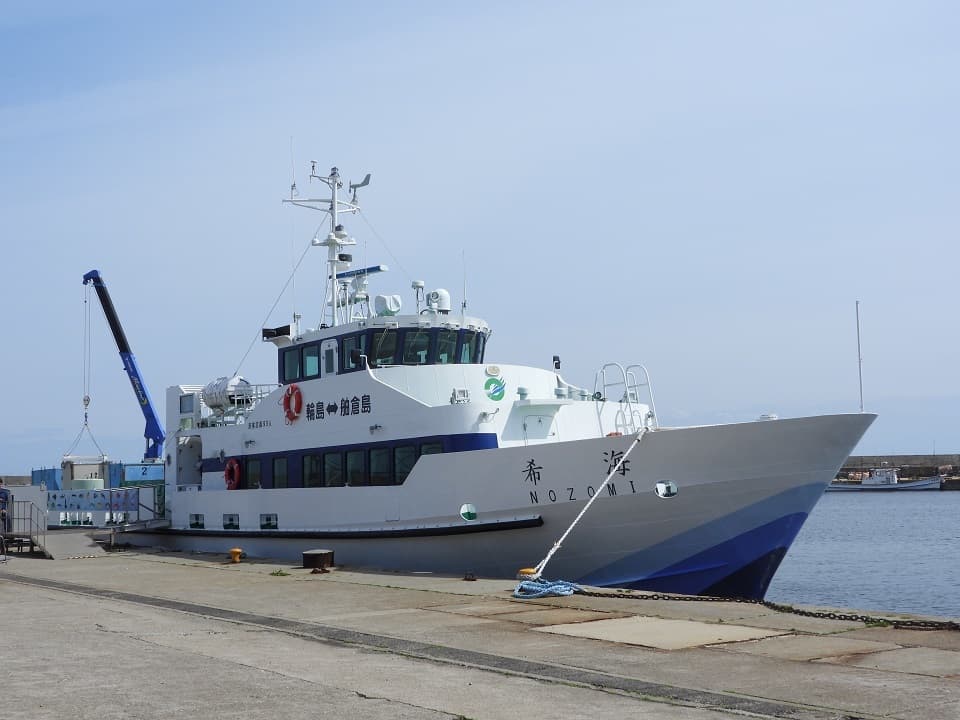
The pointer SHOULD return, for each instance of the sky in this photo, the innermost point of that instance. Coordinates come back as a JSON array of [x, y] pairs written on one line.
[[706, 188]]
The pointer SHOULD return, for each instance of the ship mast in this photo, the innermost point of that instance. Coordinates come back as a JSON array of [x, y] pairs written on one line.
[[336, 240]]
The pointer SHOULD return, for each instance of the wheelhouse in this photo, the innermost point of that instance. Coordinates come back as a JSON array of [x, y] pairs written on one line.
[[383, 346]]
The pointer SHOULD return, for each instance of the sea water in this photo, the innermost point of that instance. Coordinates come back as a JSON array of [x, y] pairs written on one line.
[[877, 551]]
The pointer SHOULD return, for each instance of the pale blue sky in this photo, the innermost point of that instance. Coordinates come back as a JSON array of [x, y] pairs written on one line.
[[704, 187]]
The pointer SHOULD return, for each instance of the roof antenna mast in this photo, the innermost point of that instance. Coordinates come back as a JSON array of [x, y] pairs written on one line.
[[336, 240]]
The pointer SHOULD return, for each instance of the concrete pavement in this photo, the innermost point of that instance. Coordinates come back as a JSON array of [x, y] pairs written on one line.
[[153, 635]]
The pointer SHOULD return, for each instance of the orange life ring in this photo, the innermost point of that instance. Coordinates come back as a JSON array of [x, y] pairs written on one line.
[[231, 474], [292, 403]]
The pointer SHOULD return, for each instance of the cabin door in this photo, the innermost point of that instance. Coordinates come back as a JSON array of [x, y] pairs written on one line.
[[328, 354]]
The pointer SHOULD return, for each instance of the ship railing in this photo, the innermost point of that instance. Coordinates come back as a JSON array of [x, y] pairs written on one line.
[[27, 523], [628, 387]]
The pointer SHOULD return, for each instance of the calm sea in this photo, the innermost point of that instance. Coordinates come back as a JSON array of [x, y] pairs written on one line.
[[898, 552]]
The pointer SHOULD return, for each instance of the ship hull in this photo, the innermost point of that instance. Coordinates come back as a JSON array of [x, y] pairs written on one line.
[[743, 493]]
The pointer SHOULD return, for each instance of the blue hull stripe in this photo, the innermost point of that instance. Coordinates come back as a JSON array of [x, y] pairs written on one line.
[[741, 566]]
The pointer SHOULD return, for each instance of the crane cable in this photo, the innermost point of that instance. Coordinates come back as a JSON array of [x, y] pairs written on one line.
[[86, 353]]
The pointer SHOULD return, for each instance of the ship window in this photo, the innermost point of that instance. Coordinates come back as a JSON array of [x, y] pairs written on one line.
[[349, 344], [404, 458], [446, 346], [196, 521], [251, 478], [333, 469], [280, 472], [186, 404], [481, 346], [356, 468], [383, 347], [329, 361], [231, 521], [431, 448], [312, 471], [268, 521], [311, 361], [416, 347], [468, 345], [380, 466], [291, 364]]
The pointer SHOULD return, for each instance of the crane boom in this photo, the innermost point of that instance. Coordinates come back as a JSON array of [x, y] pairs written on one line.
[[153, 432]]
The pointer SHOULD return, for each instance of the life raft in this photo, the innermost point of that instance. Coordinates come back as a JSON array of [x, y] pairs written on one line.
[[231, 474], [292, 403]]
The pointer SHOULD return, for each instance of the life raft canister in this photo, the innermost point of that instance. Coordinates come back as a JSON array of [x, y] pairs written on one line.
[[292, 403], [231, 474]]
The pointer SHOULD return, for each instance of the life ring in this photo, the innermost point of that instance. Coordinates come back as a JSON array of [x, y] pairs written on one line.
[[231, 474], [292, 403]]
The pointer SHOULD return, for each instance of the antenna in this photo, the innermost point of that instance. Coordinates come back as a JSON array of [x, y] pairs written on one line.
[[463, 302], [859, 357]]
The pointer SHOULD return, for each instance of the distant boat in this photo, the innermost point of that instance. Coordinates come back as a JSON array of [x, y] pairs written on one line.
[[884, 480]]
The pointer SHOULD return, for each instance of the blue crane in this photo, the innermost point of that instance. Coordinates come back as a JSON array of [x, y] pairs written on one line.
[[153, 431]]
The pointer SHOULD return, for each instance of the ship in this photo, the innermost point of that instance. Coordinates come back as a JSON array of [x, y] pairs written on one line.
[[884, 479], [403, 441]]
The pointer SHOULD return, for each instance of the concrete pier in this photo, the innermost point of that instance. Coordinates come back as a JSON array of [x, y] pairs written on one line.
[[154, 635]]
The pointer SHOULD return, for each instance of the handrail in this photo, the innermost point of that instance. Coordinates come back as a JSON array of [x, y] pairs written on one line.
[[30, 521]]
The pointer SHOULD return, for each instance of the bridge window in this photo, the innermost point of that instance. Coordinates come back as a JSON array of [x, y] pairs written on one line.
[[468, 346], [380, 466], [446, 346], [280, 472], [383, 348], [481, 343], [311, 361], [416, 347], [348, 345], [404, 458], [312, 471], [291, 364], [333, 469]]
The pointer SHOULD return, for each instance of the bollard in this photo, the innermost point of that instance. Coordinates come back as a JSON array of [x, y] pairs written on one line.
[[235, 554]]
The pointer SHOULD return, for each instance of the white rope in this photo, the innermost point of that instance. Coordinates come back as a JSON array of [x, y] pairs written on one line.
[[538, 570]]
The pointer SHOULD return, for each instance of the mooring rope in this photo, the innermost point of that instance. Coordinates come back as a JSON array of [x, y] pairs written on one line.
[[536, 573]]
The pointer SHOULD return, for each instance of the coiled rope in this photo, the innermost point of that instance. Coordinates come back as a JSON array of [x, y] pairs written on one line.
[[532, 589]]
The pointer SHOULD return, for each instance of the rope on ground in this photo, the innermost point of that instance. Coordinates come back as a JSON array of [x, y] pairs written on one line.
[[532, 589]]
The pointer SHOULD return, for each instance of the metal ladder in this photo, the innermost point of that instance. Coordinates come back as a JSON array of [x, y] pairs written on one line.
[[613, 381]]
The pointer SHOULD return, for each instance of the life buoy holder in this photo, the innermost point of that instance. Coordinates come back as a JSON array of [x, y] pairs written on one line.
[[292, 403], [231, 474]]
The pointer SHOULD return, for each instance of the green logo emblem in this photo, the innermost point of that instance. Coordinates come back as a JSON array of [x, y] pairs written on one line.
[[468, 511], [495, 388]]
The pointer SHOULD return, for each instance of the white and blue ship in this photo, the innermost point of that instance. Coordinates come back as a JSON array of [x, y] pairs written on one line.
[[403, 441]]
